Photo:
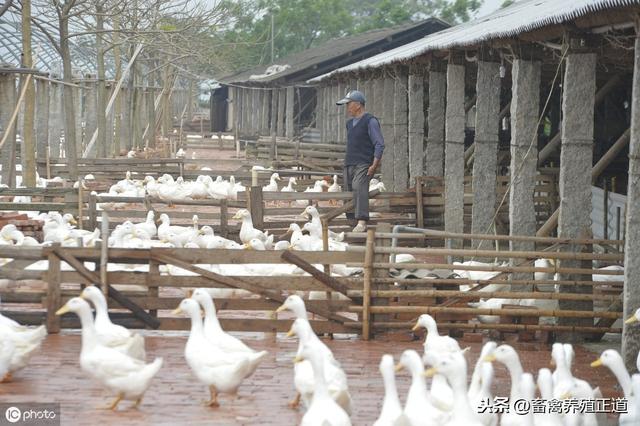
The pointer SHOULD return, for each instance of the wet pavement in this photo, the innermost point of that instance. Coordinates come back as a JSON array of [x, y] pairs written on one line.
[[175, 396]]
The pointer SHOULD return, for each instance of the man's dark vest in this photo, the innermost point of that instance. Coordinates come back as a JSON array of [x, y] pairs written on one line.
[[360, 147]]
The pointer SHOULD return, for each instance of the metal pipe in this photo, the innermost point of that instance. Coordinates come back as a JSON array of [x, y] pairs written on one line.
[[404, 228]]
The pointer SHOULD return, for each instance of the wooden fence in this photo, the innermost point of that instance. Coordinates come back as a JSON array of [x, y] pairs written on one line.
[[377, 301]]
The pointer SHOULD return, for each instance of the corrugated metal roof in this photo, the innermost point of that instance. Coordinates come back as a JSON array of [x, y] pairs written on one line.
[[354, 47], [520, 17]]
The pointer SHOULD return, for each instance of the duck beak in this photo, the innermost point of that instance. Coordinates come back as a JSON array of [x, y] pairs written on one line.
[[189, 293], [430, 372], [290, 333], [489, 358], [63, 310], [597, 363], [177, 311], [552, 363], [281, 308], [416, 327], [631, 319], [399, 367], [247, 246], [298, 359], [565, 395]]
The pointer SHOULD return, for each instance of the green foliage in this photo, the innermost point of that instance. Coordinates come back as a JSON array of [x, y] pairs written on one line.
[[507, 3], [301, 24]]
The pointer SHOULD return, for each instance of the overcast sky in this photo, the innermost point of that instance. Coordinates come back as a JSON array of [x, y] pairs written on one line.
[[489, 6]]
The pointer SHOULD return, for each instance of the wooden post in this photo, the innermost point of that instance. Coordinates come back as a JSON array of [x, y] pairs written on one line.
[[605, 211], [366, 293], [325, 247], [92, 211], [53, 292], [80, 203], [273, 150], [152, 287], [224, 218], [256, 207], [104, 253], [419, 202]]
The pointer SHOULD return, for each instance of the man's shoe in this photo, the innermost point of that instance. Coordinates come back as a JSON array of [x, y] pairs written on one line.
[[361, 227]]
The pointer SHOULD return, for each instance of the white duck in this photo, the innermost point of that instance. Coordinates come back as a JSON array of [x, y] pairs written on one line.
[[334, 187], [418, 407], [441, 392], [24, 342], [508, 356], [335, 377], [207, 239], [273, 183], [453, 366], [289, 187], [247, 231], [221, 372], [149, 225], [433, 341], [315, 226], [165, 228], [323, 410], [128, 378], [216, 335], [612, 360], [545, 384], [7, 348], [391, 408], [109, 334], [303, 375], [562, 377], [582, 392]]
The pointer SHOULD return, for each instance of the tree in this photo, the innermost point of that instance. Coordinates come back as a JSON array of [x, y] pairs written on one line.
[[451, 11], [301, 24]]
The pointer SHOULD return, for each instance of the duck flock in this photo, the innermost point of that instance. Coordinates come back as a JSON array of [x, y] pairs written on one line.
[[171, 190], [115, 357]]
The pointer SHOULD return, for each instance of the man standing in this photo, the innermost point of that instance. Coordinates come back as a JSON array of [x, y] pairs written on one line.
[[365, 145]]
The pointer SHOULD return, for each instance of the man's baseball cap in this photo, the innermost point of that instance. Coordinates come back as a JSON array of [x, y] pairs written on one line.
[[352, 96]]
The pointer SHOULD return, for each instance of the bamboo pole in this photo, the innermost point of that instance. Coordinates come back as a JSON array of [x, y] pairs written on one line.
[[104, 253], [14, 115], [366, 293], [508, 269], [440, 234], [465, 281], [80, 202], [538, 295], [501, 327], [612, 257], [476, 311]]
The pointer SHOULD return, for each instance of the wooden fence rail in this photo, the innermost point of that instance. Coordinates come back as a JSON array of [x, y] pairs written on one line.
[[150, 282]]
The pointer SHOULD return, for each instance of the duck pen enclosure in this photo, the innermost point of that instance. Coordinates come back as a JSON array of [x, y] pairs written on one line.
[[522, 295]]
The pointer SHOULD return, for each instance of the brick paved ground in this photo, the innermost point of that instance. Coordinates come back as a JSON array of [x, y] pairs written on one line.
[[175, 396]]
